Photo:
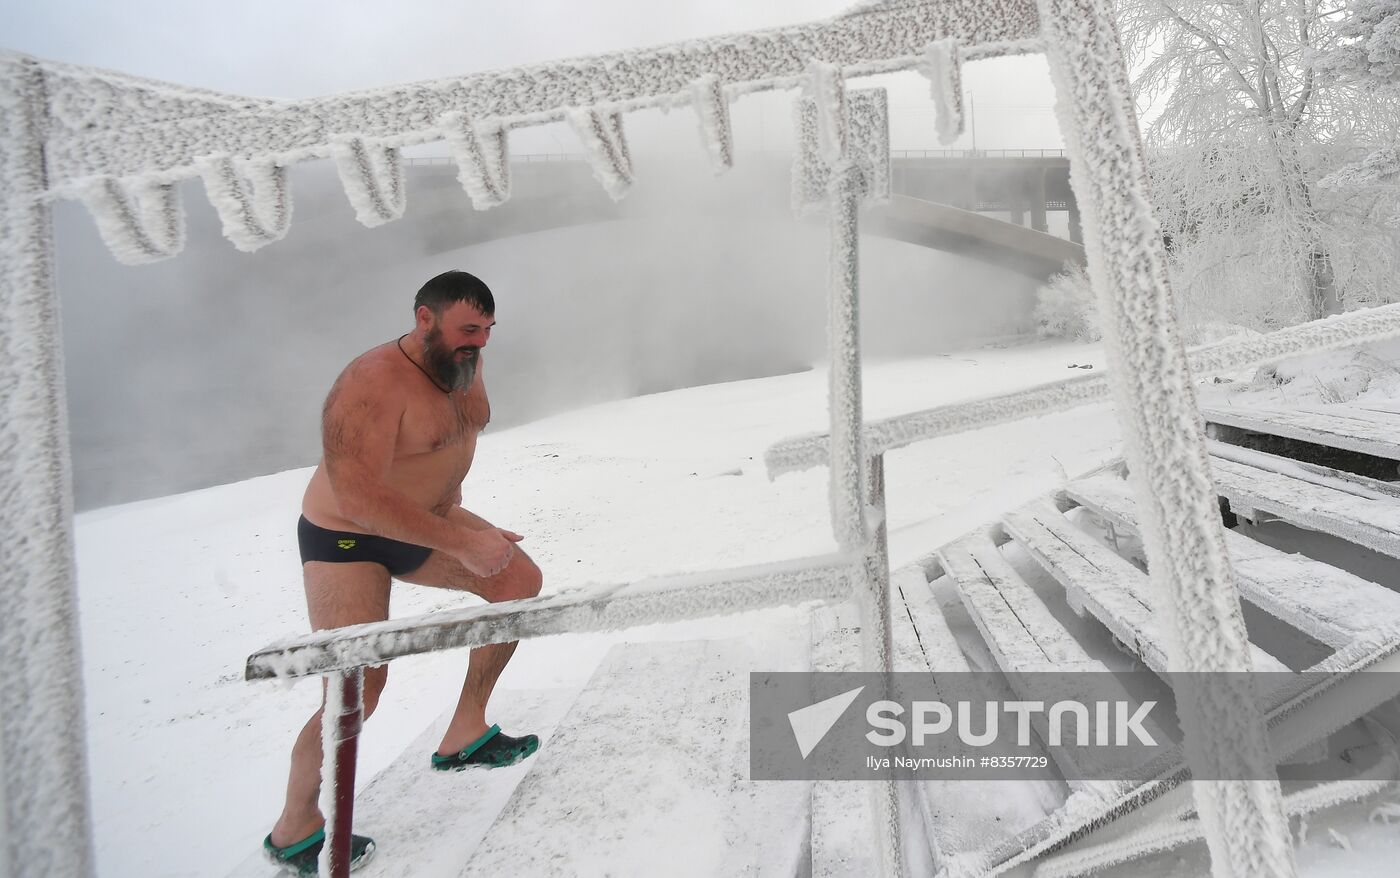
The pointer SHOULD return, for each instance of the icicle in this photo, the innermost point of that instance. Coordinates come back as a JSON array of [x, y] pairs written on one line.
[[870, 139], [826, 87], [606, 146], [483, 162], [809, 172], [373, 179], [139, 221], [712, 107], [942, 65], [251, 199]]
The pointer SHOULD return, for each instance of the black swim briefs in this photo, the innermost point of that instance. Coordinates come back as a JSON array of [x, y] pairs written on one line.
[[319, 544]]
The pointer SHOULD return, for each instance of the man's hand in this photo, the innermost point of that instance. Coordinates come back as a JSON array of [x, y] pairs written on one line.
[[487, 552]]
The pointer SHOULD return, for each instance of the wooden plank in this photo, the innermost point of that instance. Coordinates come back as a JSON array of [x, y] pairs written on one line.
[[1018, 629], [1334, 427], [1114, 591], [1372, 523], [1330, 605], [841, 815], [1385, 406], [941, 650], [650, 769], [1351, 483]]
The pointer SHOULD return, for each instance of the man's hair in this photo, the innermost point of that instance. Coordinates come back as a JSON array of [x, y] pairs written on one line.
[[455, 286]]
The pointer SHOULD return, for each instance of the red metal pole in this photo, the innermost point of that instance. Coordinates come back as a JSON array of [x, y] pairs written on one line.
[[348, 704]]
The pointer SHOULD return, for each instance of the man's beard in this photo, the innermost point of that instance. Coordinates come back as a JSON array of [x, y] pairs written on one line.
[[442, 361]]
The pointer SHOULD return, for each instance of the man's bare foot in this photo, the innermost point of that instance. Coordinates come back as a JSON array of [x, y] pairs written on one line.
[[289, 832], [458, 739]]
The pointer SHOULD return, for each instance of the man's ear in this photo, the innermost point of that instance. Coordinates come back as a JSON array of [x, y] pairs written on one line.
[[424, 317]]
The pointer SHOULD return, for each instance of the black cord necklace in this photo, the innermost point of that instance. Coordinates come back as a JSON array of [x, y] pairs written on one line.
[[425, 372]]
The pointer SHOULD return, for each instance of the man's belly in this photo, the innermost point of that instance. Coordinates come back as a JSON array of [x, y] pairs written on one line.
[[430, 481]]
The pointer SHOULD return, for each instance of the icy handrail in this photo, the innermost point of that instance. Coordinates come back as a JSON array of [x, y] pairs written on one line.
[[809, 450], [593, 608]]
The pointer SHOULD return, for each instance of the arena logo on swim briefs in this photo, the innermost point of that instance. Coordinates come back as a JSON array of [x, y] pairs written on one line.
[[965, 726]]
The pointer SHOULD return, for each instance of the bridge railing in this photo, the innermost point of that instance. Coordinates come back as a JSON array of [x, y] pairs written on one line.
[[977, 154], [529, 158]]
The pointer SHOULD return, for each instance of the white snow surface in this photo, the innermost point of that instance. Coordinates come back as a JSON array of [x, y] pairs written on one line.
[[176, 592]]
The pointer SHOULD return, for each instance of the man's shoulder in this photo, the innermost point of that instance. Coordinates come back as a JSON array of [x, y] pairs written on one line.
[[375, 371]]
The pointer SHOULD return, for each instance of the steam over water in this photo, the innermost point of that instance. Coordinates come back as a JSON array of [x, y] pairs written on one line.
[[212, 367]]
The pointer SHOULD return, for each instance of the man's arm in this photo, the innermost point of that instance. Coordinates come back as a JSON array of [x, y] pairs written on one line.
[[360, 428]]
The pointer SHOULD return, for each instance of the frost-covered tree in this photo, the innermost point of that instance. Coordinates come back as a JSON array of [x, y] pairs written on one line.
[[1370, 47], [1242, 127], [1370, 55]]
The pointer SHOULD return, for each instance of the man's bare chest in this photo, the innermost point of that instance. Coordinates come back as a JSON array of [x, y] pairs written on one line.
[[444, 423]]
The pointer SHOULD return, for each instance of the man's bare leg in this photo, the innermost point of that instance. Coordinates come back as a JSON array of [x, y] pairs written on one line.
[[520, 579], [336, 595]]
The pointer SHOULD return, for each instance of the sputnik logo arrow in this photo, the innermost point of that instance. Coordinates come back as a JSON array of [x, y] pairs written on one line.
[[810, 724]]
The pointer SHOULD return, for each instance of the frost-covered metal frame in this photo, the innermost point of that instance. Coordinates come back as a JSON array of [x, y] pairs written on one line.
[[120, 144]]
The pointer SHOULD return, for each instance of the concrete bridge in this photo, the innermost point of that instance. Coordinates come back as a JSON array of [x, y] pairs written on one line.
[[941, 198]]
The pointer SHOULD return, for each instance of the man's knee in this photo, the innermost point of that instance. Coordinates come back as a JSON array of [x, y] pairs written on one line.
[[522, 579]]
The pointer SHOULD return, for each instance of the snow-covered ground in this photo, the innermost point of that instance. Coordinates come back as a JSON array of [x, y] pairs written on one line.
[[188, 761]]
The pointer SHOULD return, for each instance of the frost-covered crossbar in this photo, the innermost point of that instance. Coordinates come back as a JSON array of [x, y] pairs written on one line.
[[119, 143], [110, 124], [592, 608], [804, 452]]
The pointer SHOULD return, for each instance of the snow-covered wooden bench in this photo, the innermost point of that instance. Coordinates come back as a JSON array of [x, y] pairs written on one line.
[[1022, 634], [1347, 426], [1102, 582], [1329, 604], [1369, 521], [1358, 618]]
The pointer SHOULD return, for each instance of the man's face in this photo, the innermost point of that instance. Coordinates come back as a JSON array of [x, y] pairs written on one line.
[[453, 343]]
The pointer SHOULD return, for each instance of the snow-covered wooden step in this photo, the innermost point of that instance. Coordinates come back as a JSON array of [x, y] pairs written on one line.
[[1365, 521], [1334, 426], [1330, 605], [425, 823], [842, 815], [648, 775], [1114, 591], [842, 812], [961, 817], [1024, 637], [1019, 630], [941, 651], [1351, 483]]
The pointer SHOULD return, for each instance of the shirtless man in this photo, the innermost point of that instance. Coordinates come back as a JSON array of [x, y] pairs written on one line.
[[399, 431]]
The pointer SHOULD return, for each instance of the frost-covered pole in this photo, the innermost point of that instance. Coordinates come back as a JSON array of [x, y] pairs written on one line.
[[341, 720], [846, 185], [1244, 821], [42, 741], [884, 795]]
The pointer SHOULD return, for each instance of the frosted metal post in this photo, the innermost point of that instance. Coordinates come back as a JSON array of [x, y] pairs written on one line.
[[47, 829], [843, 329], [876, 602], [341, 720], [1245, 826]]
